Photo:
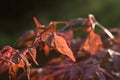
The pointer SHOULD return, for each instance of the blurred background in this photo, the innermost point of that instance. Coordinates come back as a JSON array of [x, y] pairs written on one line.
[[16, 16]]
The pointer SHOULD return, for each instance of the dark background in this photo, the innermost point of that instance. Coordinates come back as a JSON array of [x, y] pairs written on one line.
[[16, 16]]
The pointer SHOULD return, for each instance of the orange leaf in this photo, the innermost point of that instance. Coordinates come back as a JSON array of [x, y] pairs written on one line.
[[13, 70], [60, 45], [28, 43], [38, 25], [46, 49], [52, 27], [93, 43], [67, 35], [21, 64]]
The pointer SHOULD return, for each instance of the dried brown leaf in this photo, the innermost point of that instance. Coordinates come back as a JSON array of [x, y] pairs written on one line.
[[60, 45], [93, 43]]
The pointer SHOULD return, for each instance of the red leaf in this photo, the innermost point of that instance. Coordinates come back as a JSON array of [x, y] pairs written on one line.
[[38, 25], [46, 49], [52, 27], [93, 43], [60, 44], [13, 70], [67, 35], [8, 52], [28, 43]]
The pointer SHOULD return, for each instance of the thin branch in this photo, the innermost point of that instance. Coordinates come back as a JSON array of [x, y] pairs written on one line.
[[26, 65], [105, 30]]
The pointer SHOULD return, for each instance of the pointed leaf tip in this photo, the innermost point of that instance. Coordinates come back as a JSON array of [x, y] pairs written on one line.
[[60, 45], [38, 25]]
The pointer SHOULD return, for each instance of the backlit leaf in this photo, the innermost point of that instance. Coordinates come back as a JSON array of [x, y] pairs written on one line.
[[93, 43], [38, 25], [46, 49], [60, 45]]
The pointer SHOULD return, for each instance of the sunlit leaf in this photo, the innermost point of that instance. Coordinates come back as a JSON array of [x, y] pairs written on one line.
[[38, 25], [60, 44], [93, 43], [46, 49]]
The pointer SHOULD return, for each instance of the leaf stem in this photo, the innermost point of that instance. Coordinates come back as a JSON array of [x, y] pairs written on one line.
[[105, 30]]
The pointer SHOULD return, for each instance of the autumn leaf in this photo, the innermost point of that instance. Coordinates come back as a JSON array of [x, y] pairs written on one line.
[[52, 27], [13, 70], [60, 45], [67, 35], [46, 49], [39, 28], [38, 25], [92, 44], [28, 43]]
